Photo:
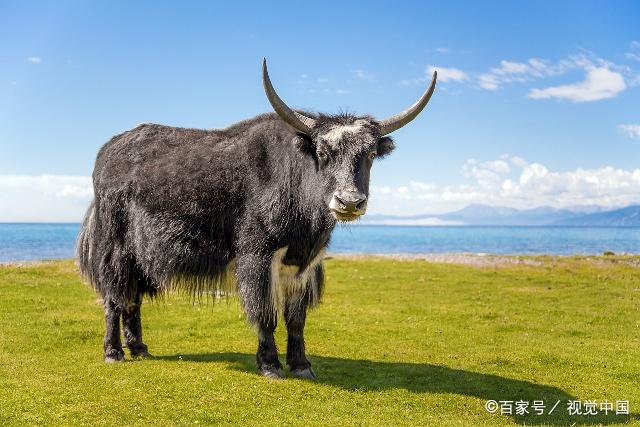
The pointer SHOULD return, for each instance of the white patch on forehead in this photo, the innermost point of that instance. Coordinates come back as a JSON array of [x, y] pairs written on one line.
[[337, 132]]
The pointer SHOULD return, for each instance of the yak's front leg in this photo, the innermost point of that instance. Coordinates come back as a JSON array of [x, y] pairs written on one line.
[[254, 280], [295, 315]]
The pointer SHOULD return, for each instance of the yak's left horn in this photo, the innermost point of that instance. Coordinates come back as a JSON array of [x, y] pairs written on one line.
[[300, 122], [396, 122]]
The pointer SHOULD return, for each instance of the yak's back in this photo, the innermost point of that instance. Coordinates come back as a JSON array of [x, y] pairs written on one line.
[[149, 149], [185, 168]]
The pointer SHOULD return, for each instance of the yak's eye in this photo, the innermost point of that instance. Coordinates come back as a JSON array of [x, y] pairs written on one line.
[[372, 155], [323, 155]]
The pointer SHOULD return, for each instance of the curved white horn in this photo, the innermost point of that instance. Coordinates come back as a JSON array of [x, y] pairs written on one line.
[[396, 122], [300, 122]]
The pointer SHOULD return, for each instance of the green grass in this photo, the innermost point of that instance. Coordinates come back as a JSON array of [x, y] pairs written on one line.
[[394, 343]]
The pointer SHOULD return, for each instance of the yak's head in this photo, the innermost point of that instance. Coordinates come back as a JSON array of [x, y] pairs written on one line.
[[344, 147]]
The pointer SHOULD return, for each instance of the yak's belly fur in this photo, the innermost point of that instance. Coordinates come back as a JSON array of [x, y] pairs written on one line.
[[288, 282]]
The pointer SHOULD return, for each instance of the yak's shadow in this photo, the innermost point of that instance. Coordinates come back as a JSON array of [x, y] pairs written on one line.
[[425, 378]]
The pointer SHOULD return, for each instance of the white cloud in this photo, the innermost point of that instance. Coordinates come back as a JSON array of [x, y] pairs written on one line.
[[343, 91], [600, 83], [512, 181], [630, 130], [508, 181], [508, 67], [520, 72], [518, 161], [603, 79], [44, 198], [364, 75], [635, 51], [632, 55], [486, 174], [323, 80], [488, 82], [34, 59], [446, 74], [499, 166], [443, 50]]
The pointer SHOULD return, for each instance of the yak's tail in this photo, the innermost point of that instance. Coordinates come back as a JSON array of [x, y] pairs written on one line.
[[84, 245]]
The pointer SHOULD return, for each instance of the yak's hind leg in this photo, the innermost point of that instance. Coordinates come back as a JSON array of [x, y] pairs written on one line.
[[295, 315], [254, 280], [112, 345], [132, 322], [114, 282], [123, 302]]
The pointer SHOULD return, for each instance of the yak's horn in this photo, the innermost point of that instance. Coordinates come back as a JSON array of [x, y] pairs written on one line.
[[298, 121], [396, 122]]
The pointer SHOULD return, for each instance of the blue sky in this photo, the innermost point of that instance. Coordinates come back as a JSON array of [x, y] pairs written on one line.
[[537, 102]]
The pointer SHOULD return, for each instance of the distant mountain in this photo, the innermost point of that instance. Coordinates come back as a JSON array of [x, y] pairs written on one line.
[[588, 209], [625, 217], [479, 214]]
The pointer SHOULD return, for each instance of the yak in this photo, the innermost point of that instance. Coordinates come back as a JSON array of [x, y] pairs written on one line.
[[248, 209]]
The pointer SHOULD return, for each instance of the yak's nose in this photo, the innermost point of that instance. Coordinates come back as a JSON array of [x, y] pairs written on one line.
[[351, 201]]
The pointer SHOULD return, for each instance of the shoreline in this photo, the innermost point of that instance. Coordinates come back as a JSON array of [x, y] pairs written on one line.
[[456, 258], [497, 260]]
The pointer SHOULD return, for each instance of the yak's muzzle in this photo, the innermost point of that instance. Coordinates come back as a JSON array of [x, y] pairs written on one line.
[[348, 205]]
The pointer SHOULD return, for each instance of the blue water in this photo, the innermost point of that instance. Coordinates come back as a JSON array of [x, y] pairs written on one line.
[[21, 242], [536, 240]]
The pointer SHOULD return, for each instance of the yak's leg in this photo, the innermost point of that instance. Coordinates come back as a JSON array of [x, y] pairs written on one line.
[[254, 281], [112, 345], [132, 324], [267, 355], [295, 315]]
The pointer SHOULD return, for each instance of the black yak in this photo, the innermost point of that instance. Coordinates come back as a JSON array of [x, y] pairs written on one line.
[[249, 208]]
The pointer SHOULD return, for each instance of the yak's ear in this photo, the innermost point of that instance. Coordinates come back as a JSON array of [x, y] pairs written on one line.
[[303, 143], [385, 146]]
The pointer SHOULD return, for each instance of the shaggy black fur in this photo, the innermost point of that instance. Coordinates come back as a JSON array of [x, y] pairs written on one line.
[[195, 209]]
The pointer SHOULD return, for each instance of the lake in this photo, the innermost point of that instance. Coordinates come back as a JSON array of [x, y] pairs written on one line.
[[22, 242]]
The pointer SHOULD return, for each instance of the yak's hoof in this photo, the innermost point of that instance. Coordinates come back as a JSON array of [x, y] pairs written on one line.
[[141, 355], [272, 372], [114, 355], [305, 374], [140, 352]]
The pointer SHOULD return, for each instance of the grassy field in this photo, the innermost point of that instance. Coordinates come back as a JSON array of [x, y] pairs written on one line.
[[394, 343]]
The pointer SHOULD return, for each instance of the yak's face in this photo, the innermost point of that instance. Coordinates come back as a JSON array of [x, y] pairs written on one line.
[[344, 148]]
